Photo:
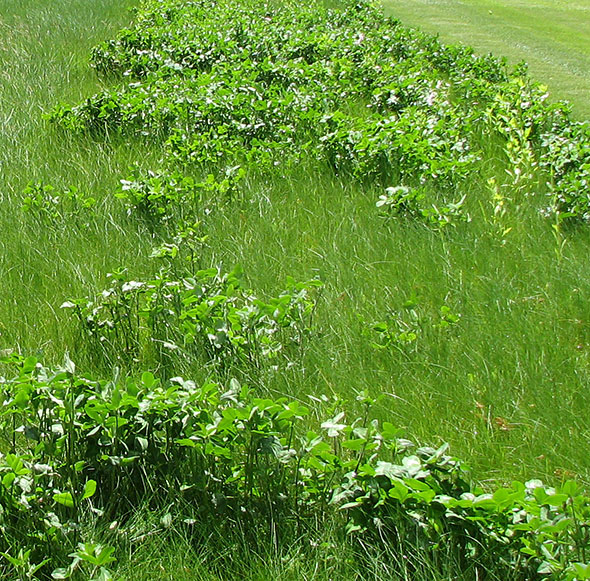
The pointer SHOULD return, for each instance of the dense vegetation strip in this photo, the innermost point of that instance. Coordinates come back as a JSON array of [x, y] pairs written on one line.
[[366, 95], [180, 410], [227, 461]]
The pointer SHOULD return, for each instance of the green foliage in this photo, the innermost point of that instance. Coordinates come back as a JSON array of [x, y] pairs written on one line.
[[51, 208], [109, 444], [162, 197], [224, 82], [91, 560], [403, 330], [206, 318], [401, 200], [238, 95]]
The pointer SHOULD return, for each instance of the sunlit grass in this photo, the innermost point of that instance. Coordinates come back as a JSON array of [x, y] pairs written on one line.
[[553, 37], [44, 55], [173, 554], [505, 386]]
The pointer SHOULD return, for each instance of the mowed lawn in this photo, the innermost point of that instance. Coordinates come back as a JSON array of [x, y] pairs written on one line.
[[552, 36]]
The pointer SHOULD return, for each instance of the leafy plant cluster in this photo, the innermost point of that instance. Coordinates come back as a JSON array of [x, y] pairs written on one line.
[[410, 202], [177, 198], [205, 319], [403, 329], [93, 449], [222, 83], [46, 205]]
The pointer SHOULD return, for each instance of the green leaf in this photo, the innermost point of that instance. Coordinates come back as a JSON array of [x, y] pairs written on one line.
[[148, 379], [89, 489], [555, 499], [21, 399], [186, 442], [104, 554], [64, 498], [29, 364], [570, 488], [355, 445], [582, 570], [16, 464], [116, 398], [398, 490], [8, 479]]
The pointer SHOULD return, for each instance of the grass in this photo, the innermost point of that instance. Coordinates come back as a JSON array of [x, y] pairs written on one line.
[[507, 386], [323, 557], [518, 350], [44, 53], [500, 387], [552, 36]]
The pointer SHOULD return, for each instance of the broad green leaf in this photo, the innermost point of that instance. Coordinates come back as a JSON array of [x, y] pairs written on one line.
[[355, 445], [8, 479], [89, 489], [64, 498]]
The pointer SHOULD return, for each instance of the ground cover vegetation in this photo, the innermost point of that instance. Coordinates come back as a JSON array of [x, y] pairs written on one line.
[[322, 237]]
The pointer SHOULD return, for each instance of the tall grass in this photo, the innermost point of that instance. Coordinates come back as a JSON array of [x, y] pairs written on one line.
[[506, 386], [44, 51], [496, 385]]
